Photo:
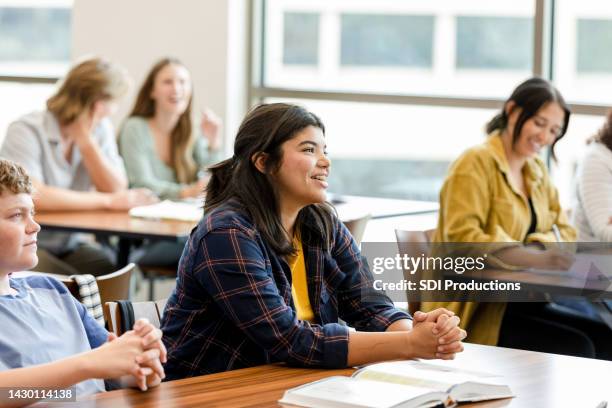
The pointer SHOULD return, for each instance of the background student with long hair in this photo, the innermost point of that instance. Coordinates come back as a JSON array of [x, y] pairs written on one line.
[[161, 149]]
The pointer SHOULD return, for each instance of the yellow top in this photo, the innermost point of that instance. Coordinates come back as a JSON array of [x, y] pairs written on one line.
[[479, 204], [299, 286]]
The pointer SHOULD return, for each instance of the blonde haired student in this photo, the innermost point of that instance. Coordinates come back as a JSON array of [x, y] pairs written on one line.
[[70, 152], [47, 339]]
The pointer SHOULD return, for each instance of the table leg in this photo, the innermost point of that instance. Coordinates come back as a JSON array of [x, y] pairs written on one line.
[[123, 254]]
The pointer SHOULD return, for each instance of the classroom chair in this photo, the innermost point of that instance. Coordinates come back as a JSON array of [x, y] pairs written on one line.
[[112, 286], [120, 316], [414, 243], [357, 227], [153, 273]]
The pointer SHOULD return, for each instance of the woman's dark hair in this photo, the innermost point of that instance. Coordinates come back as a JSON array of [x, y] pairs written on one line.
[[604, 135], [530, 96], [264, 129]]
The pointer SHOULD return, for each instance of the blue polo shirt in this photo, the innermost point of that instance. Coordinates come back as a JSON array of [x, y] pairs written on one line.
[[43, 323]]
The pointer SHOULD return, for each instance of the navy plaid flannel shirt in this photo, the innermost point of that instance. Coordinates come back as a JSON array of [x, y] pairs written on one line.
[[232, 305]]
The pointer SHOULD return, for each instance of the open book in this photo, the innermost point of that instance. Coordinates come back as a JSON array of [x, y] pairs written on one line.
[[404, 384], [170, 210]]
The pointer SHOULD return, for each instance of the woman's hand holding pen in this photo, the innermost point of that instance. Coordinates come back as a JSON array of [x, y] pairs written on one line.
[[554, 259]]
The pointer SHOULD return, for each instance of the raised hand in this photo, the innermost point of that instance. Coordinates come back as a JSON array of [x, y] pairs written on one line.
[[210, 125]]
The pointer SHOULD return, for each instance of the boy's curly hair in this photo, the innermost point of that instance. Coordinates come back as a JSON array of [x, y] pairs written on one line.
[[13, 178]]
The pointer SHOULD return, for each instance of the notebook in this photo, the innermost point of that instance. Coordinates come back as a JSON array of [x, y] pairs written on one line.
[[405, 384], [170, 210]]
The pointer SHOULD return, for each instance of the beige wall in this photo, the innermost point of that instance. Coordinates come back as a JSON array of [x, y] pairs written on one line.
[[209, 36]]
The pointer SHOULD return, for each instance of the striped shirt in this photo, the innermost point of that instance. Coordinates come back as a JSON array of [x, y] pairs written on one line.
[[592, 204], [232, 305]]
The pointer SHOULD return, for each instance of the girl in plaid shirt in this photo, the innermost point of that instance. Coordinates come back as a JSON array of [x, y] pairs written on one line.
[[270, 270]]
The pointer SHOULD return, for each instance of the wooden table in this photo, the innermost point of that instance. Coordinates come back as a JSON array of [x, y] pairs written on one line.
[[115, 223], [127, 228], [537, 379]]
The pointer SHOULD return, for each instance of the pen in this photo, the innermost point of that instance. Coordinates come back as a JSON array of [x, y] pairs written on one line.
[[557, 233]]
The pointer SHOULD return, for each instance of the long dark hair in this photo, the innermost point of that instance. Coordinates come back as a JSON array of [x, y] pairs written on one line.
[[530, 96], [182, 138], [604, 135], [264, 129]]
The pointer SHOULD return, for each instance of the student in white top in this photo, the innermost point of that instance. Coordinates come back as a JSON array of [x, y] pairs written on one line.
[[70, 152], [592, 201]]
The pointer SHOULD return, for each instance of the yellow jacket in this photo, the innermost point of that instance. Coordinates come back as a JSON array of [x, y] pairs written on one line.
[[479, 204]]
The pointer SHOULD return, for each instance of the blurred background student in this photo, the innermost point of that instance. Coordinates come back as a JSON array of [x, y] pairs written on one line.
[[70, 152], [161, 149], [500, 192], [592, 201]]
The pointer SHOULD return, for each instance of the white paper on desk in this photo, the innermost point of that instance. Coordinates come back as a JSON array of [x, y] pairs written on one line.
[[586, 267], [169, 210]]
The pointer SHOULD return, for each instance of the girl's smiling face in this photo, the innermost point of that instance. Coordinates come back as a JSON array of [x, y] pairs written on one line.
[[301, 178], [540, 130], [172, 89]]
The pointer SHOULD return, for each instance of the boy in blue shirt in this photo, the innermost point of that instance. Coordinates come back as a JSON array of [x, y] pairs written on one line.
[[47, 337]]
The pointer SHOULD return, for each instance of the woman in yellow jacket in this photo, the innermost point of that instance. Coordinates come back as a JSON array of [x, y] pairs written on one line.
[[500, 192]]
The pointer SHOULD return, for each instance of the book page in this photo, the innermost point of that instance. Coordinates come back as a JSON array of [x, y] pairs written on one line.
[[347, 391], [426, 375]]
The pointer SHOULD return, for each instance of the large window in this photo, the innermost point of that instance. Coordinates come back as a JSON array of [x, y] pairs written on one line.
[[371, 40], [300, 39], [404, 86], [494, 43], [34, 52], [441, 48], [582, 58], [35, 37]]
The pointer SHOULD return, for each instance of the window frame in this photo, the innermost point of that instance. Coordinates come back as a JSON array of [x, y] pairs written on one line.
[[543, 49]]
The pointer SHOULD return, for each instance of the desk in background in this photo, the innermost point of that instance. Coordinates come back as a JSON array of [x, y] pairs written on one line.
[[538, 380], [347, 205], [127, 229], [115, 223]]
